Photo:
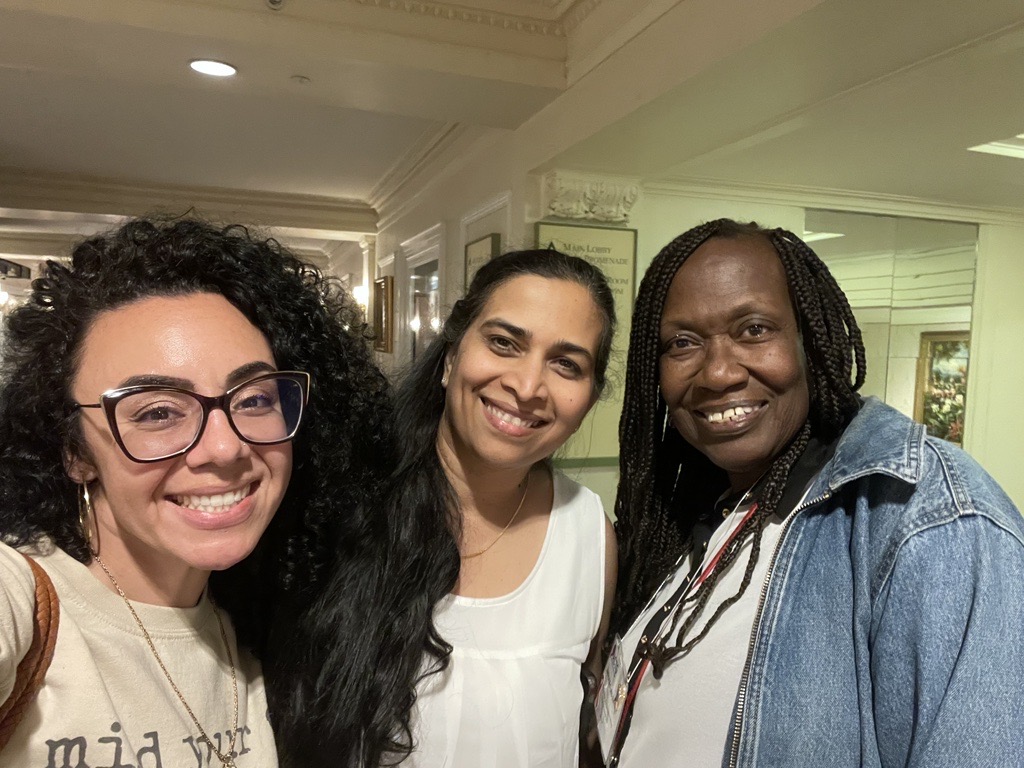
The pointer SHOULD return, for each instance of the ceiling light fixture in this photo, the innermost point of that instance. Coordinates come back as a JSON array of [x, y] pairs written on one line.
[[1012, 147], [813, 237], [212, 68]]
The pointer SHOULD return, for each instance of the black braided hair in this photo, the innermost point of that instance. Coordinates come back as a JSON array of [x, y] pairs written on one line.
[[665, 483]]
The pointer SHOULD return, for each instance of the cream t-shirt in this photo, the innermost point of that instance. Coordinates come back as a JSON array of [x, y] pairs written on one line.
[[104, 701]]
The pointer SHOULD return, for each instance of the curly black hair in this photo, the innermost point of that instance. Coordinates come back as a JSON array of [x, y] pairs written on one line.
[[311, 324], [665, 483], [358, 696]]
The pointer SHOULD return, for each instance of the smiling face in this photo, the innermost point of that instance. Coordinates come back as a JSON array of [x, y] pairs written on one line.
[[522, 377], [162, 527], [732, 366]]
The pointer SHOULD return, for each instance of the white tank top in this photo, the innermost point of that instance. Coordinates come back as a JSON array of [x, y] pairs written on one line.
[[689, 710], [511, 695]]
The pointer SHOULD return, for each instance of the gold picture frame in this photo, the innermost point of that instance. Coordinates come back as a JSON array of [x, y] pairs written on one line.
[[383, 313], [941, 390]]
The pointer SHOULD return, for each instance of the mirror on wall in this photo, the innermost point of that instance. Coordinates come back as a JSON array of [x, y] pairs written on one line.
[[910, 283], [15, 284], [425, 305]]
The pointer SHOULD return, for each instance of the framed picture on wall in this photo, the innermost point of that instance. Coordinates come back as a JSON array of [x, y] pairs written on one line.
[[942, 384], [383, 313], [613, 250], [14, 270], [479, 252]]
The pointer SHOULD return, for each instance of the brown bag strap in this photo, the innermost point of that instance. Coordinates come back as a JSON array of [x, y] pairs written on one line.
[[32, 668]]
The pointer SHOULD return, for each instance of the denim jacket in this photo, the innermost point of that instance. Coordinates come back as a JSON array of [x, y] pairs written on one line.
[[891, 631]]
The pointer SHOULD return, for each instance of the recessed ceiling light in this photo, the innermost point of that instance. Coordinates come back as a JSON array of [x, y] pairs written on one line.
[[212, 68], [1012, 147], [813, 237]]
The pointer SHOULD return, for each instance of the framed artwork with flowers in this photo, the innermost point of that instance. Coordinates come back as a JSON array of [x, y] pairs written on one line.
[[942, 384]]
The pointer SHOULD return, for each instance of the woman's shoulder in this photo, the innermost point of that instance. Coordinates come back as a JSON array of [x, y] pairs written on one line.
[[17, 614], [570, 493], [578, 516], [17, 584]]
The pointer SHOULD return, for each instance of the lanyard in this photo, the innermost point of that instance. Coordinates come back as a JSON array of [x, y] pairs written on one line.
[[640, 663]]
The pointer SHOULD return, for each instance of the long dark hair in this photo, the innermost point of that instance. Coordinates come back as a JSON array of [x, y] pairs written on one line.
[[418, 562], [310, 323], [664, 483]]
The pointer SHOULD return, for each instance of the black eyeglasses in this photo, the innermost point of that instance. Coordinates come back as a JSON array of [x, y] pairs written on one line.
[[151, 422]]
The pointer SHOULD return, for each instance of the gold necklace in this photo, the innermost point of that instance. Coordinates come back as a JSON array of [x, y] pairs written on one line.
[[226, 760], [510, 521]]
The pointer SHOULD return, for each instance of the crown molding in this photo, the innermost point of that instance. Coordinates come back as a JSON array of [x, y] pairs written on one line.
[[510, 22], [576, 13], [497, 203], [833, 199], [443, 161], [553, 20], [30, 190], [432, 144], [423, 246], [547, 9]]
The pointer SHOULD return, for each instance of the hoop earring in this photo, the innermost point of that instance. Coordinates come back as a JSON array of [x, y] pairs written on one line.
[[85, 512]]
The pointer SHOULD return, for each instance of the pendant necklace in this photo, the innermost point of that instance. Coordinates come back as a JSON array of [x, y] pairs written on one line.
[[515, 514], [227, 760]]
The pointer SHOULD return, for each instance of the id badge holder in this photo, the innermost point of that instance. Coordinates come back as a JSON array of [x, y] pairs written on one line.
[[611, 698]]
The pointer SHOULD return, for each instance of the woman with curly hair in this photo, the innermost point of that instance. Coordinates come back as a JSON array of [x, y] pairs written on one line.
[[188, 415], [498, 570]]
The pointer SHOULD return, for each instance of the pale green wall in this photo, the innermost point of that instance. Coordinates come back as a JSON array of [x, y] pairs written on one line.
[[994, 420], [995, 425], [874, 329], [601, 480], [661, 217]]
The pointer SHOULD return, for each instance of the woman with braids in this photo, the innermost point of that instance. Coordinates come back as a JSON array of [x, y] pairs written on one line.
[[186, 412], [499, 570], [841, 588]]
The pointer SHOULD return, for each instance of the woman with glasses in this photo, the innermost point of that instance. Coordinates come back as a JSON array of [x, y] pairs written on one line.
[[186, 413]]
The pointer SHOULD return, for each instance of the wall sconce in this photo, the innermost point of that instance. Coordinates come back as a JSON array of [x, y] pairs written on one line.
[[361, 294]]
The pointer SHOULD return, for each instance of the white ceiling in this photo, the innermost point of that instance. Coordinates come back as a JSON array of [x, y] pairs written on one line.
[[868, 96], [103, 88], [337, 103]]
